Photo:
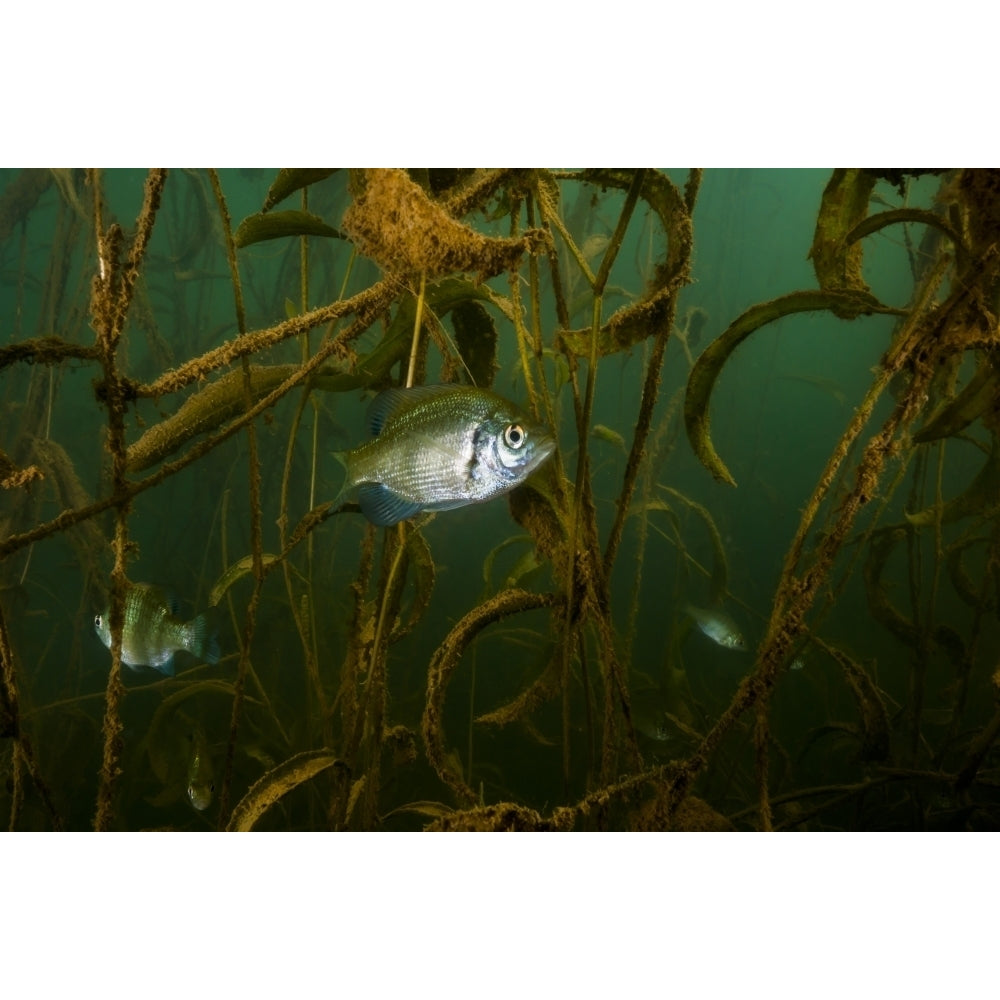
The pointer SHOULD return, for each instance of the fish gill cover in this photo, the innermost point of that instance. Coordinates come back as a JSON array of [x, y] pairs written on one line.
[[755, 586]]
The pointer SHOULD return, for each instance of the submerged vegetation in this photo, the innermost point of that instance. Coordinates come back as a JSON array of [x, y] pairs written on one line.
[[179, 364]]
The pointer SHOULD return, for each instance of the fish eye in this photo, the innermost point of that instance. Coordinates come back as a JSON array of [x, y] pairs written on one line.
[[97, 620], [514, 436]]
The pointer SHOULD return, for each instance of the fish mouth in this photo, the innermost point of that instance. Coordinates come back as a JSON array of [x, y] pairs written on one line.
[[544, 447]]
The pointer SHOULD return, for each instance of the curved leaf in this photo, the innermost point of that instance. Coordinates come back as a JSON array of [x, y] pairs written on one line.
[[275, 225], [424, 807], [981, 498], [217, 402], [290, 180], [706, 369], [156, 740], [612, 437], [845, 204], [422, 564], [278, 782], [239, 568], [476, 340], [981, 392], [919, 215], [494, 552]]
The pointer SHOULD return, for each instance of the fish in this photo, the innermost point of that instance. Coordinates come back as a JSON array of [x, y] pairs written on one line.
[[153, 632], [201, 774], [718, 626], [439, 447], [651, 723]]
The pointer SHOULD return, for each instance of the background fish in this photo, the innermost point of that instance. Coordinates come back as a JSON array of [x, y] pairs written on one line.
[[153, 632], [717, 625], [201, 774], [439, 447]]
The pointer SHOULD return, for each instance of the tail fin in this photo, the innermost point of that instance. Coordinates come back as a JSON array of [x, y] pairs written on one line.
[[203, 639]]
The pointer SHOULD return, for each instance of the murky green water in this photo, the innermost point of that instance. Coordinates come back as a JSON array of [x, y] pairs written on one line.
[[581, 696]]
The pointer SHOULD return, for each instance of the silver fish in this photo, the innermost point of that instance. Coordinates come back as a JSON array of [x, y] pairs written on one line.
[[718, 626], [153, 632], [438, 447], [201, 774]]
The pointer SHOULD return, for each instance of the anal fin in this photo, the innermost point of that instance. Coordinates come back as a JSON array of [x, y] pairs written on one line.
[[383, 507]]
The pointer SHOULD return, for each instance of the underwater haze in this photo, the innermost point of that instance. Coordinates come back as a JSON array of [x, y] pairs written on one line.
[[756, 585]]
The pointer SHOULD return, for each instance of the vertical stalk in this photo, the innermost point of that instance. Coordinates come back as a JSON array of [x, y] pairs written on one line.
[[249, 622], [111, 294]]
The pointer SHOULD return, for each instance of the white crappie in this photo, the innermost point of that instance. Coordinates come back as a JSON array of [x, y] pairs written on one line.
[[439, 447], [718, 626], [153, 632]]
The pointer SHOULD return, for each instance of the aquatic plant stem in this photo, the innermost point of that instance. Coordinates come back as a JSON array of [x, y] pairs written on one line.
[[651, 383], [373, 706], [111, 294], [418, 318], [255, 516], [68, 518], [11, 726], [893, 362], [795, 594], [370, 302], [445, 660], [582, 493], [305, 624]]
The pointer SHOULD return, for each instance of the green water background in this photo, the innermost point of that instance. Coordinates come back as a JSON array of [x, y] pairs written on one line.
[[777, 411]]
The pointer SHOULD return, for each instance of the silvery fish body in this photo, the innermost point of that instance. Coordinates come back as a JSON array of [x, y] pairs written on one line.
[[718, 626], [439, 447], [153, 632]]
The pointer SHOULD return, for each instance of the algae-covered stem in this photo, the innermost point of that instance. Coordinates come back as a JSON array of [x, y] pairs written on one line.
[[249, 621], [651, 384], [414, 346], [111, 294], [796, 593], [10, 725], [374, 706], [68, 518], [597, 284], [305, 620]]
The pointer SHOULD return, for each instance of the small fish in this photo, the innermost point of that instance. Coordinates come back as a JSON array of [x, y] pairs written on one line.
[[153, 632], [718, 626], [651, 723], [201, 775], [439, 447]]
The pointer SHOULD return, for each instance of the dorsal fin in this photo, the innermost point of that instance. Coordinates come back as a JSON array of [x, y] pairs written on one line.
[[392, 401]]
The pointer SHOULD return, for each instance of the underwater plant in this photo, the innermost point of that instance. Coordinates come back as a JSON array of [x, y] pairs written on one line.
[[604, 645]]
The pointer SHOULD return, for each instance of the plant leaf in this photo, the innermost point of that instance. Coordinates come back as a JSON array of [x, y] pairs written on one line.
[[706, 369], [290, 180], [277, 782], [239, 568], [981, 393], [275, 225]]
